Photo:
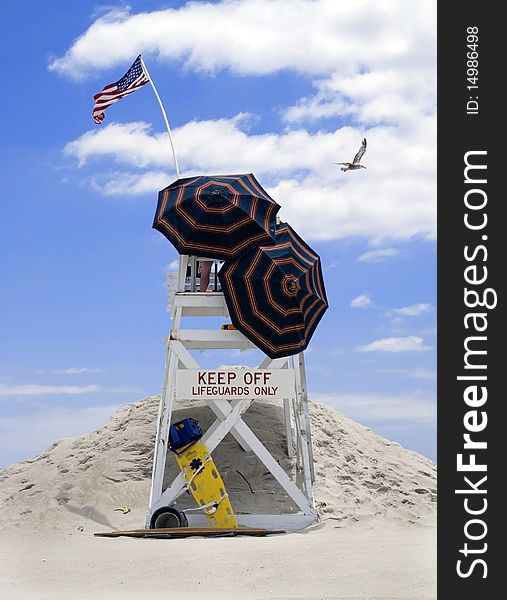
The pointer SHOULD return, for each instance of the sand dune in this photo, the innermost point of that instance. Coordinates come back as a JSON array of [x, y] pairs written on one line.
[[359, 475], [375, 500]]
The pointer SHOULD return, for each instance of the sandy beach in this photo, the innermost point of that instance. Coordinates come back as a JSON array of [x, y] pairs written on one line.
[[376, 537]]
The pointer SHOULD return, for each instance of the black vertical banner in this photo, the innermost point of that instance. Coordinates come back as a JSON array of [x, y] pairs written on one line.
[[472, 258]]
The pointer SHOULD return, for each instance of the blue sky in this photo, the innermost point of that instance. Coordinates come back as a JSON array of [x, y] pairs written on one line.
[[282, 89]]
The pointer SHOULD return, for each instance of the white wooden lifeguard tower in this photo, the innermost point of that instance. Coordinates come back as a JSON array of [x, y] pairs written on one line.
[[185, 301]]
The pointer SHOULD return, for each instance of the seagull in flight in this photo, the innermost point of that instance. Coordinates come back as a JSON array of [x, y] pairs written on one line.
[[354, 165]]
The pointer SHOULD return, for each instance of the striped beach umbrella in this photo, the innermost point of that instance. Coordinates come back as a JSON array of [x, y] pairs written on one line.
[[275, 294], [221, 216]]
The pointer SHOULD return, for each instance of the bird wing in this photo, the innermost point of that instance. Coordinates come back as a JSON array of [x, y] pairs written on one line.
[[341, 163], [360, 153]]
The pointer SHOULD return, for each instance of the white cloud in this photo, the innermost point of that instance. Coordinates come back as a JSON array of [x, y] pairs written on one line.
[[410, 343], [390, 78], [35, 389], [377, 407], [383, 96], [372, 65], [130, 184], [415, 310], [361, 301], [22, 438], [378, 255], [255, 37], [77, 371], [389, 201], [128, 143]]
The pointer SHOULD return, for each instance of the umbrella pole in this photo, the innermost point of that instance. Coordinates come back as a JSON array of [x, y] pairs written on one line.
[[165, 118]]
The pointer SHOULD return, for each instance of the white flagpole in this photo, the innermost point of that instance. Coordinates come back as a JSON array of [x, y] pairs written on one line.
[[165, 118]]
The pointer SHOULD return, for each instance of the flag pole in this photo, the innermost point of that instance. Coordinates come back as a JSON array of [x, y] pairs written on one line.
[[165, 117]]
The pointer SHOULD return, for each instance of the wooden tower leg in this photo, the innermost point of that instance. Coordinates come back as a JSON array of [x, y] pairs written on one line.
[[306, 412], [162, 437], [302, 415], [288, 426]]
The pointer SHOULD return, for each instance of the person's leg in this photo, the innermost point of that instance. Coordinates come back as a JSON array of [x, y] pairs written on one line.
[[205, 273]]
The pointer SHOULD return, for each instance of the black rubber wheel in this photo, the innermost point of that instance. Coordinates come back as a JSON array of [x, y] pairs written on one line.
[[168, 517]]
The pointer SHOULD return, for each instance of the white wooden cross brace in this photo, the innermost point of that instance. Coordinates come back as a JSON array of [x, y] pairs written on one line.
[[188, 361], [213, 436], [229, 420]]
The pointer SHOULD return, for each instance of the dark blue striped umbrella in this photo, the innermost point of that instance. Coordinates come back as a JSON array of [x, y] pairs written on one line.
[[275, 294], [221, 216]]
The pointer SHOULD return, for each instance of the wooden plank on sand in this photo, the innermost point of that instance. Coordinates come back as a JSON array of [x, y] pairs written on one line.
[[181, 532]]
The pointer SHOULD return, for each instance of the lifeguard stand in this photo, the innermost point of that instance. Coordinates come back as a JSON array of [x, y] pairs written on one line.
[[185, 301]]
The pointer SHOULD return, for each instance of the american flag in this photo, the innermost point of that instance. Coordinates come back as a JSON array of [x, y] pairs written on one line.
[[133, 79]]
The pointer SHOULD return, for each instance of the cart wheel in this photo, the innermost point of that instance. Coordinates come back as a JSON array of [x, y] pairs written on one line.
[[168, 517]]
